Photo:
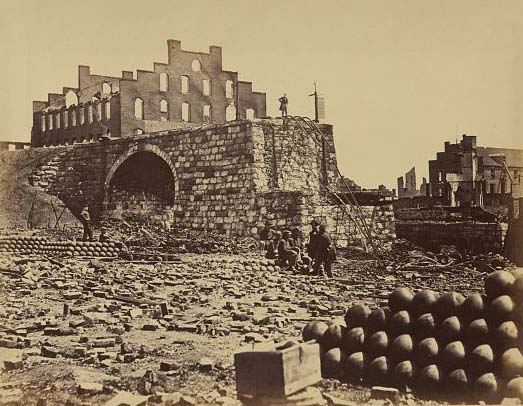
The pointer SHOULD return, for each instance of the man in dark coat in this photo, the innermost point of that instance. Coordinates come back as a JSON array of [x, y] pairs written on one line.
[[85, 218], [283, 104], [324, 253], [313, 237]]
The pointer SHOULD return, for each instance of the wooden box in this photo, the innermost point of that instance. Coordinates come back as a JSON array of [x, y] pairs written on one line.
[[277, 371]]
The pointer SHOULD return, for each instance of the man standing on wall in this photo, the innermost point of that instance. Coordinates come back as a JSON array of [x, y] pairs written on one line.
[[283, 104], [85, 218], [324, 254]]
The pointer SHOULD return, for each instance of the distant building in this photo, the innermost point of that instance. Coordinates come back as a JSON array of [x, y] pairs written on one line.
[[465, 174], [407, 186], [192, 88]]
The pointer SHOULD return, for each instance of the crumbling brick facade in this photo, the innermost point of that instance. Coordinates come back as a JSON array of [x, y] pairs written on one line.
[[192, 88]]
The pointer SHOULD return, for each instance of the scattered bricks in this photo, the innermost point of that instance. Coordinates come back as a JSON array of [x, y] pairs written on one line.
[[103, 342], [169, 365], [11, 365], [381, 392], [65, 311], [206, 364], [111, 355], [79, 352], [90, 388], [189, 328], [49, 352], [72, 294], [8, 343], [134, 313], [151, 326], [127, 399], [164, 309]]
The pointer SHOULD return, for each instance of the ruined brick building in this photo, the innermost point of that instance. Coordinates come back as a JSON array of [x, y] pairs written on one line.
[[192, 88], [465, 173]]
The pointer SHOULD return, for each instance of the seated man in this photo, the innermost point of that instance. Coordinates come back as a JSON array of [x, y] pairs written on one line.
[[286, 254]]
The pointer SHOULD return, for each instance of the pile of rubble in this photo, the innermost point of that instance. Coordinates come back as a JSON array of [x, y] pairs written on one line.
[[110, 327]]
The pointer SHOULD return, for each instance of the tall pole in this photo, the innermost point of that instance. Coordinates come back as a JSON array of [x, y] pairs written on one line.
[[316, 119], [315, 94]]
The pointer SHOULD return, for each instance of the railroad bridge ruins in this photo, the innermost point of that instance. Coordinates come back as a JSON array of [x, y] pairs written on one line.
[[229, 178]]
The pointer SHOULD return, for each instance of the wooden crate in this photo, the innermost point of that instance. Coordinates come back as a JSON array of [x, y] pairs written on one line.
[[277, 371]]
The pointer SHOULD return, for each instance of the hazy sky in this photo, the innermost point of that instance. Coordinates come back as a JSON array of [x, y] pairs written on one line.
[[400, 77]]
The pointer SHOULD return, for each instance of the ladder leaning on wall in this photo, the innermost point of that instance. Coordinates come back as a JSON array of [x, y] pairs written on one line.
[[344, 200]]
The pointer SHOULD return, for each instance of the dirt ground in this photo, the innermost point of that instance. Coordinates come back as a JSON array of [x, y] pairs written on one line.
[[125, 318]]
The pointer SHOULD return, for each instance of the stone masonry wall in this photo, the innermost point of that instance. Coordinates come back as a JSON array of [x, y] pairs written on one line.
[[345, 232], [222, 177]]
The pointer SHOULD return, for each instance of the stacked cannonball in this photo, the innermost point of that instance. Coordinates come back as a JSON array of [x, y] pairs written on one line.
[[43, 246], [432, 343], [96, 248], [260, 265], [34, 245]]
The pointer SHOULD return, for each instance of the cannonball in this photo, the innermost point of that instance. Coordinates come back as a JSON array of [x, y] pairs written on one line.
[[353, 340], [516, 291], [429, 379], [399, 323], [501, 309], [481, 359], [476, 333], [331, 363], [457, 381], [485, 387], [357, 315], [514, 387], [377, 344], [379, 370], [426, 352], [423, 302], [448, 305], [404, 373], [354, 367], [333, 337], [511, 363], [499, 283], [473, 307], [377, 320], [449, 330], [453, 356], [400, 299], [401, 348], [314, 330], [424, 326], [506, 335]]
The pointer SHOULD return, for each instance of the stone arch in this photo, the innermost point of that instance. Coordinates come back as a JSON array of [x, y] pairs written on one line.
[[131, 151]]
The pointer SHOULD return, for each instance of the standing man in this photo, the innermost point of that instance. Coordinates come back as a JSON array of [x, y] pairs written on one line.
[[312, 246], [283, 104], [325, 253], [85, 218]]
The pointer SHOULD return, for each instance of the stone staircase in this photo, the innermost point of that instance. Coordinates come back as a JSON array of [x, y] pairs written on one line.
[[43, 176]]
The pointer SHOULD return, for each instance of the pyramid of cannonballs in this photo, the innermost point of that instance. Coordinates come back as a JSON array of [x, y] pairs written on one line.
[[432, 343]]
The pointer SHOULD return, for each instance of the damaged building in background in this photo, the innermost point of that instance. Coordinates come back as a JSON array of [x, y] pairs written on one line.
[[465, 174], [188, 145], [192, 88]]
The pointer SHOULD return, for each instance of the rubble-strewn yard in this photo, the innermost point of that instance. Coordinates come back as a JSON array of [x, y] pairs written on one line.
[[80, 330]]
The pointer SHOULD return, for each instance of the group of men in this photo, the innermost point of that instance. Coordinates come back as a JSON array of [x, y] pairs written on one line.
[[314, 257]]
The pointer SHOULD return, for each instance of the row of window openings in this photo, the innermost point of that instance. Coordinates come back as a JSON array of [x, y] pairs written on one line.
[[51, 121], [186, 84], [230, 111]]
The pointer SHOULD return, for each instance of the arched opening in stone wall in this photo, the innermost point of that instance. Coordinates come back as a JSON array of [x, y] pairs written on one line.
[[142, 187]]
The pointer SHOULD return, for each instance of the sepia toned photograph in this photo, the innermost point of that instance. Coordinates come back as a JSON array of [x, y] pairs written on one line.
[[261, 203]]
